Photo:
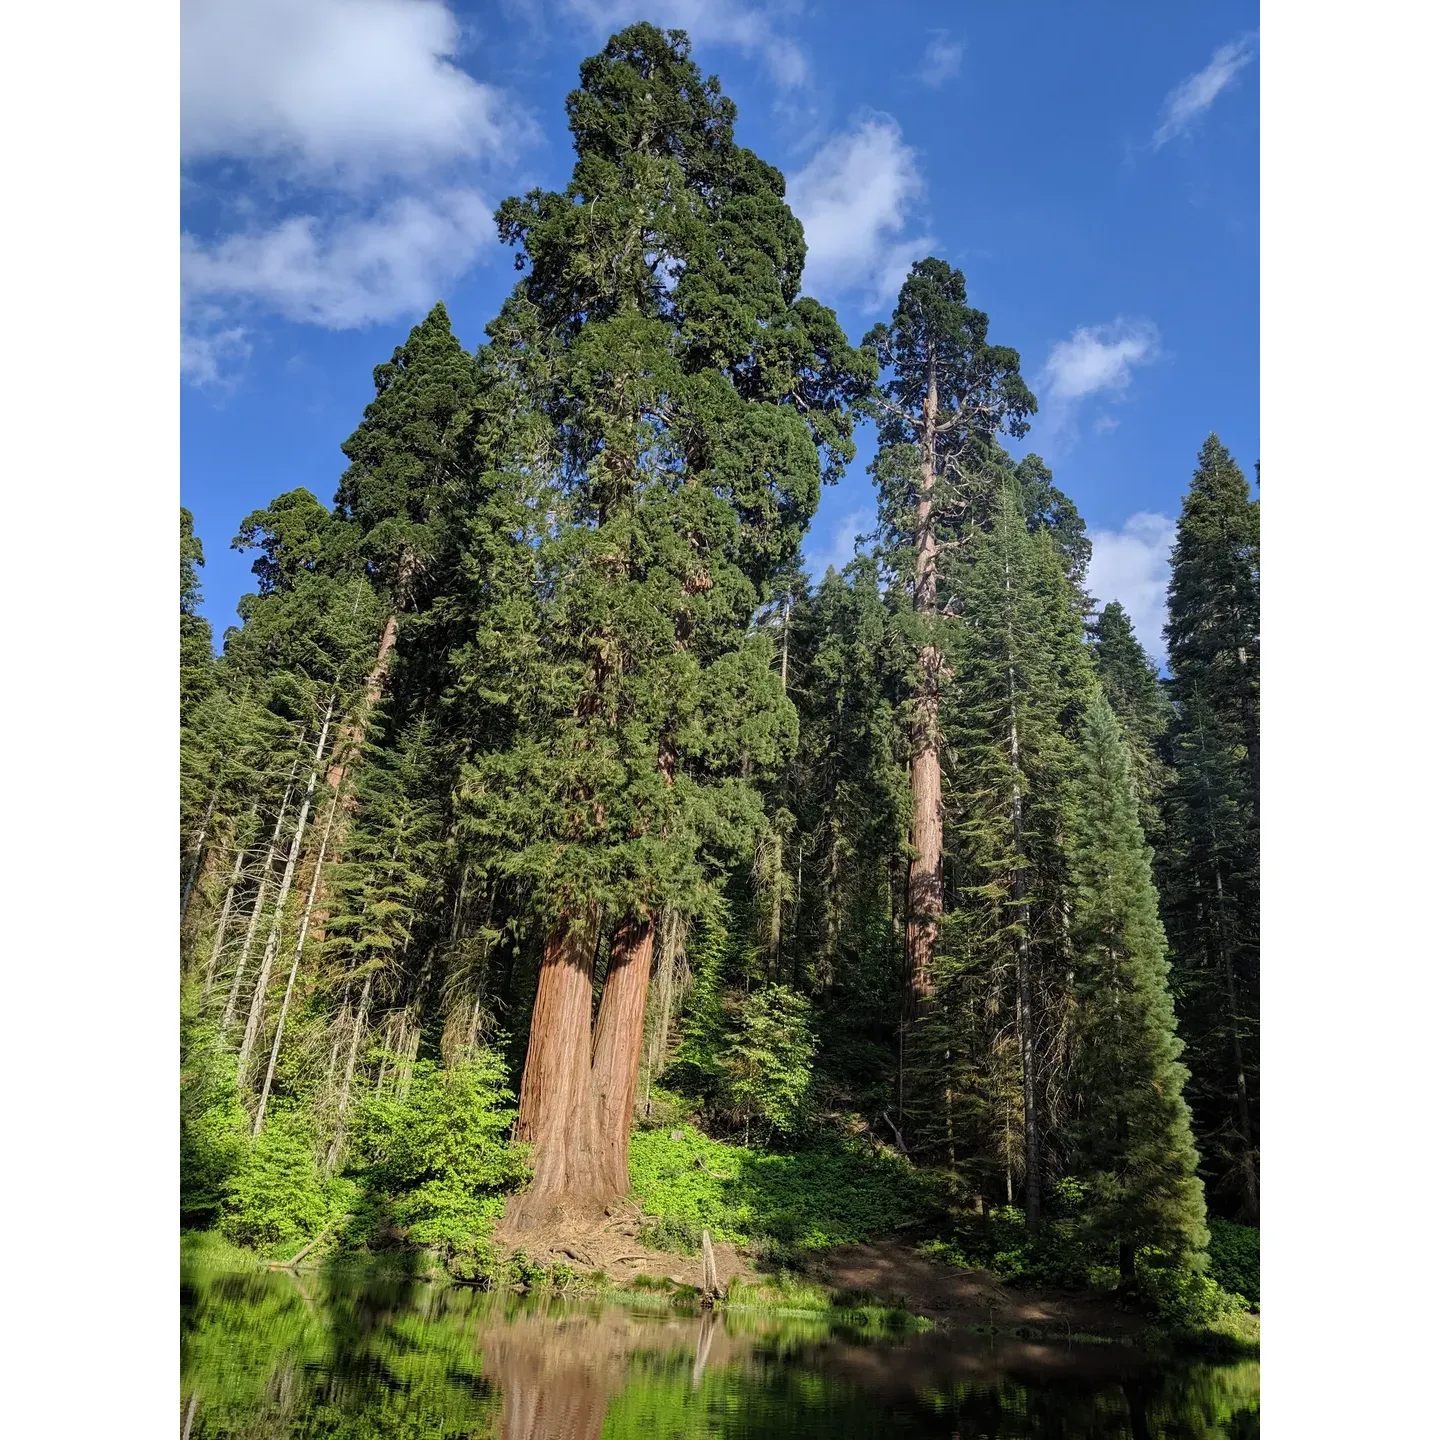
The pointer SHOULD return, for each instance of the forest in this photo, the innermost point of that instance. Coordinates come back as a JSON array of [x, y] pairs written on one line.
[[551, 840]]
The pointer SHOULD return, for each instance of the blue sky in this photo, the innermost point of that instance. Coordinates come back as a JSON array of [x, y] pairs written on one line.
[[1094, 170]]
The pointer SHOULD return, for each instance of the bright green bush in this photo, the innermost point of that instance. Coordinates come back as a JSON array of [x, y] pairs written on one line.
[[213, 1124], [1235, 1258], [437, 1164], [279, 1197], [1184, 1299]]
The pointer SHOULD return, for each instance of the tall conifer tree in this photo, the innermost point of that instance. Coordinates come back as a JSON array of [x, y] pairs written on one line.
[[1011, 715], [694, 403], [1210, 863], [1132, 1130], [948, 393], [1131, 684]]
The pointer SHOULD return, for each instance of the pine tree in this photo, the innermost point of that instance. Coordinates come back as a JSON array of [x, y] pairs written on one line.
[[949, 392], [1132, 1139], [693, 403], [1131, 684]]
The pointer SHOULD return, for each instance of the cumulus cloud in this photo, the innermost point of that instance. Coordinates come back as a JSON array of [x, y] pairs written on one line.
[[361, 147], [1132, 565], [1194, 95], [748, 28], [854, 199], [353, 87], [1099, 358], [346, 273], [942, 59]]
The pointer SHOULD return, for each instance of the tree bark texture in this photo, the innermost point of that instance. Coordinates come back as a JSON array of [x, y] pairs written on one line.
[[619, 1034], [578, 1090], [925, 900], [272, 942]]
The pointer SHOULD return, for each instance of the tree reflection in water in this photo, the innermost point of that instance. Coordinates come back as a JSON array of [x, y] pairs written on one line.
[[273, 1356]]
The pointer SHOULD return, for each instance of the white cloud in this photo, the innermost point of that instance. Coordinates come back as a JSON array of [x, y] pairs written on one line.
[[352, 87], [345, 273], [942, 59], [854, 199], [1099, 357], [1190, 99], [1132, 565], [750, 29], [207, 353], [839, 550]]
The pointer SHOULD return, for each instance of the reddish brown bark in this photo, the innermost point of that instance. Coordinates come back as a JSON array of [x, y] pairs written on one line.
[[619, 1034], [557, 1109], [578, 1091]]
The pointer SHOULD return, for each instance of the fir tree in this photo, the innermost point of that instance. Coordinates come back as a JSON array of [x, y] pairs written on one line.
[[1210, 864], [197, 655], [1132, 1133], [1021, 676], [1131, 684]]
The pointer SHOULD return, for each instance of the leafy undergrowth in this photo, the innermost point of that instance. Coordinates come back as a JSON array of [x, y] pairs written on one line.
[[1235, 1259], [779, 1206]]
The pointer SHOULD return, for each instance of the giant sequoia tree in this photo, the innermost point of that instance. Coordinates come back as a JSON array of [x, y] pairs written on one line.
[[948, 393], [692, 402]]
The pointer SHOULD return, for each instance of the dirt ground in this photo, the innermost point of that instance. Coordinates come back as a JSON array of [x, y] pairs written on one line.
[[610, 1244], [894, 1272], [888, 1270]]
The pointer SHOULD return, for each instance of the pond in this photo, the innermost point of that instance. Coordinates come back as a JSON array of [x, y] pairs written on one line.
[[269, 1356]]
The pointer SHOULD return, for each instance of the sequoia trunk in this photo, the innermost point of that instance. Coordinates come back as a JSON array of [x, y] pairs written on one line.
[[557, 1110], [619, 1034]]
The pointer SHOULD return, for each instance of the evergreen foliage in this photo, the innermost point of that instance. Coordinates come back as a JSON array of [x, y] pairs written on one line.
[[1131, 684], [547, 688], [1210, 865], [1132, 1139]]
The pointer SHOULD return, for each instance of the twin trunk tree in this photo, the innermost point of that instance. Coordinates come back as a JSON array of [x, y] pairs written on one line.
[[683, 404], [579, 1085]]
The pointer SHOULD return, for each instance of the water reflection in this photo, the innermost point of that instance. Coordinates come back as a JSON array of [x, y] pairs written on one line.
[[274, 1356]]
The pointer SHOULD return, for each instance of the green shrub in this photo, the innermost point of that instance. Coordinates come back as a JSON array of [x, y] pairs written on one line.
[[213, 1125], [1235, 1259], [671, 1232], [437, 1162], [1184, 1299], [279, 1198]]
